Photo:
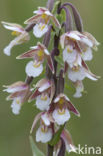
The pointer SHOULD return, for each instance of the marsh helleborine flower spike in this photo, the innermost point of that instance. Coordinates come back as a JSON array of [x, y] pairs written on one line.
[[41, 19], [17, 30]]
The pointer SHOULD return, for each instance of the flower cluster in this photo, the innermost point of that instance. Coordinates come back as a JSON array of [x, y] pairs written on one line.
[[76, 48]]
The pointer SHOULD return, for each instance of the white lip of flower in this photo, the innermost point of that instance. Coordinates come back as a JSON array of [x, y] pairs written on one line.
[[16, 106], [43, 102], [18, 30], [43, 135], [40, 29], [71, 56], [79, 89], [79, 73], [34, 69], [61, 116], [76, 73], [87, 54]]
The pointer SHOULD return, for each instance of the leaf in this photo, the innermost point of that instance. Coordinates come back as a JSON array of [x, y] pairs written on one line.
[[55, 7], [56, 136], [35, 150]]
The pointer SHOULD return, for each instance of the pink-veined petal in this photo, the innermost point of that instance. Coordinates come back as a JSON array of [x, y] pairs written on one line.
[[34, 95], [35, 121], [33, 19], [41, 82], [45, 86], [72, 108], [28, 54]]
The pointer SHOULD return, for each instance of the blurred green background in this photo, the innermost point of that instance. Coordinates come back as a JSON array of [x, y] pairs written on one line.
[[14, 130]]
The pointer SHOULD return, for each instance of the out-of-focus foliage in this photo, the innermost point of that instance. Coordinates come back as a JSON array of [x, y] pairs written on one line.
[[14, 130]]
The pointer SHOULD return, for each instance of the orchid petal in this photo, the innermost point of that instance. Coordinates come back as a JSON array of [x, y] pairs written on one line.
[[72, 108], [35, 121], [33, 19]]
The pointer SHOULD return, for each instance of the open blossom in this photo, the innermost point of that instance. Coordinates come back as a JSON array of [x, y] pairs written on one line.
[[19, 93], [41, 19], [63, 106], [44, 93], [76, 44], [17, 30], [78, 73], [44, 133], [38, 53]]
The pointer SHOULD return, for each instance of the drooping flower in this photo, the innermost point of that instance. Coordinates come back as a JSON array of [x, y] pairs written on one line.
[[19, 93], [44, 133], [38, 53], [17, 30], [63, 106], [41, 19], [79, 89], [78, 73], [76, 43], [72, 56], [43, 94]]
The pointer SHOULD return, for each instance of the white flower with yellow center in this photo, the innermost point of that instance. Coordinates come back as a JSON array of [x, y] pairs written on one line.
[[40, 29], [19, 31], [76, 73], [41, 19], [43, 102], [19, 93], [38, 53], [71, 56], [79, 73], [63, 106], [87, 54], [16, 106], [61, 116], [44, 134]]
